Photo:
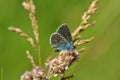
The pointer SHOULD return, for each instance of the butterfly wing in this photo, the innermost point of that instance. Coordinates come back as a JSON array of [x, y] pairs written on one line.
[[65, 32], [58, 42]]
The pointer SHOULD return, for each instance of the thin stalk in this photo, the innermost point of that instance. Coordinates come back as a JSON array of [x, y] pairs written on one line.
[[1, 73]]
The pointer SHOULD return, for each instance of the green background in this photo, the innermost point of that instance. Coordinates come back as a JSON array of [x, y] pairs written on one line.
[[101, 60]]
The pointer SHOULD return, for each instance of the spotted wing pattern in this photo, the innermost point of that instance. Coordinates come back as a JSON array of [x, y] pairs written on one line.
[[56, 39], [61, 39], [65, 32]]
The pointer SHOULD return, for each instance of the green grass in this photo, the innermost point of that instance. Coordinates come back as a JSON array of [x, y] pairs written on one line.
[[99, 62]]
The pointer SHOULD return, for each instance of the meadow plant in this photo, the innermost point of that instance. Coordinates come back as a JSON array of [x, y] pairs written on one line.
[[61, 63]]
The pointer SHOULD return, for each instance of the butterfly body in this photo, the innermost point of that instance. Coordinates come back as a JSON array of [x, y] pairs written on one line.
[[61, 39], [64, 46]]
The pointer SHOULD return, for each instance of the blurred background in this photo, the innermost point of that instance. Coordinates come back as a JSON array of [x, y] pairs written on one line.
[[101, 60]]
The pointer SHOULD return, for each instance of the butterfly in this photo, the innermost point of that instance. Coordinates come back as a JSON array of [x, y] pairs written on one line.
[[61, 39]]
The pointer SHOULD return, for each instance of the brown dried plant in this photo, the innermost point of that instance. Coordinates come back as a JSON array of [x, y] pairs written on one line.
[[61, 63]]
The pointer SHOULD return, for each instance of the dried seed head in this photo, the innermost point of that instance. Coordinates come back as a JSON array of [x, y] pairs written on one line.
[[61, 63], [38, 73], [27, 76]]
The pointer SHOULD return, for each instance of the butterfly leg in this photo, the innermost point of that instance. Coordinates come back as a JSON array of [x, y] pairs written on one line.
[[56, 50]]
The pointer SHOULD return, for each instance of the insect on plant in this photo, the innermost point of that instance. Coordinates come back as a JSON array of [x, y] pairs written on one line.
[[61, 39]]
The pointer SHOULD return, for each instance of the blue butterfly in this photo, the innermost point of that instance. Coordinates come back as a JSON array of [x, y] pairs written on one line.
[[61, 39]]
